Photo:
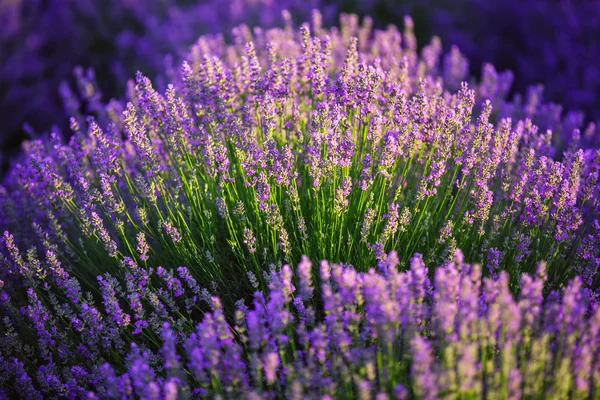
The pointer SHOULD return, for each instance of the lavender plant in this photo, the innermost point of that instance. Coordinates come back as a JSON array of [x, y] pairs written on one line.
[[339, 144], [291, 144]]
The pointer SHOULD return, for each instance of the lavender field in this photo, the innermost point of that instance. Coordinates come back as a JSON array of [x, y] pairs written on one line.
[[290, 201]]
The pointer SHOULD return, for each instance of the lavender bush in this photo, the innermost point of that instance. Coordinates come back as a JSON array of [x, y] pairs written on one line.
[[339, 144]]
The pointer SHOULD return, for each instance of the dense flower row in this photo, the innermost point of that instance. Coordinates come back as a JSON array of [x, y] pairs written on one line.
[[338, 144], [384, 335]]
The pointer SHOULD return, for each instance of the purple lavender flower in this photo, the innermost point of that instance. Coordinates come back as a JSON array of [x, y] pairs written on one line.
[[142, 246], [425, 381], [108, 287]]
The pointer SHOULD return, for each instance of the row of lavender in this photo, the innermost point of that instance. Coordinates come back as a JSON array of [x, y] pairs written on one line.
[[384, 335], [340, 144]]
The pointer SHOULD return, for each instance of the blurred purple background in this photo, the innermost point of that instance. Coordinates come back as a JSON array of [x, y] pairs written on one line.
[[553, 42]]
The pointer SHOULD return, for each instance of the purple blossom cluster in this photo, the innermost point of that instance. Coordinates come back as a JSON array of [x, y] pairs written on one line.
[[381, 335], [341, 144]]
